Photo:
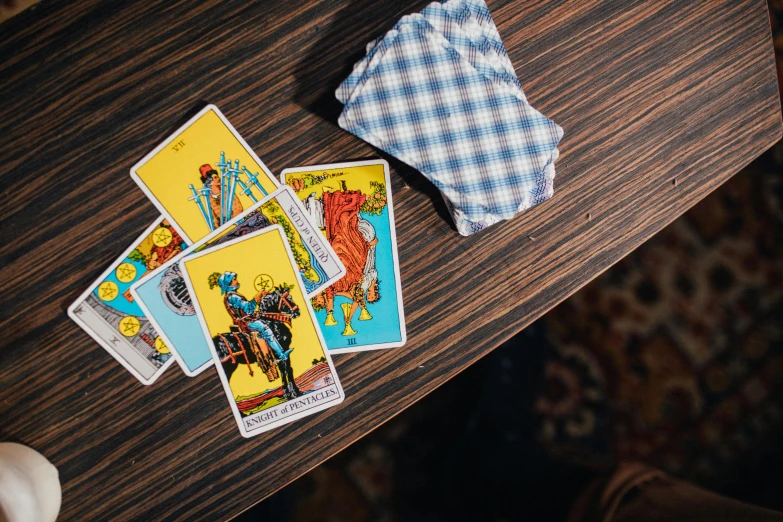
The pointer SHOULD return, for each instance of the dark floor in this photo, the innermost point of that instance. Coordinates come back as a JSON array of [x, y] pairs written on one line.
[[673, 357]]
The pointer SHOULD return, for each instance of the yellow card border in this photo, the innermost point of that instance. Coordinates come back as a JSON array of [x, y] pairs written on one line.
[[216, 359], [209, 237], [173, 136]]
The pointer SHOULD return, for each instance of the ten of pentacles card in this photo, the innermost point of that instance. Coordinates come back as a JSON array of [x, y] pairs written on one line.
[[108, 312], [352, 205], [203, 175], [267, 349], [165, 300]]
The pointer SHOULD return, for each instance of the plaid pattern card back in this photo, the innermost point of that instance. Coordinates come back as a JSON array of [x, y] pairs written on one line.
[[439, 92]]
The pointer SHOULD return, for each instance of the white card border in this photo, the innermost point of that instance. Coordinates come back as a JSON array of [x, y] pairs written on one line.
[[83, 297], [393, 235], [155, 201], [185, 253], [216, 359]]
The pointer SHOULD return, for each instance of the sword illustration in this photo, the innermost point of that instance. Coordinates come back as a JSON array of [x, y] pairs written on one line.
[[231, 192], [224, 166], [197, 198], [225, 202], [247, 190], [226, 197], [253, 178], [205, 193]]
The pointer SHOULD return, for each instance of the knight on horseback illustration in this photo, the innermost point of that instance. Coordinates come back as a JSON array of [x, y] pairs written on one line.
[[261, 331]]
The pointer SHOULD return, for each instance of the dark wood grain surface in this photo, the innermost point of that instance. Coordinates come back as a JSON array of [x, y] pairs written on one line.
[[661, 102]]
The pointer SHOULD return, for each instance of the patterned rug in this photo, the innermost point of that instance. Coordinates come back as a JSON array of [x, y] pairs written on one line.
[[675, 355]]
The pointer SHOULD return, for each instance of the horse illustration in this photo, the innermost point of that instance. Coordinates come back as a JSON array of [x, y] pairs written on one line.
[[261, 332], [354, 241]]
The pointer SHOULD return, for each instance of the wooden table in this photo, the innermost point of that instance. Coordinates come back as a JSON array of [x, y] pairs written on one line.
[[661, 103]]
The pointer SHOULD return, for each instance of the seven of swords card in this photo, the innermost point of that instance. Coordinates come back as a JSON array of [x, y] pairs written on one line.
[[165, 300], [203, 175], [269, 353], [352, 205], [108, 312]]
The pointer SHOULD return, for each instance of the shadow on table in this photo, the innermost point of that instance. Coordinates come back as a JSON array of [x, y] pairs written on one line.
[[467, 452], [519, 433], [337, 47]]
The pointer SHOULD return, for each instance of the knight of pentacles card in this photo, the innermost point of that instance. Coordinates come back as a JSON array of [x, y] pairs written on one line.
[[268, 351]]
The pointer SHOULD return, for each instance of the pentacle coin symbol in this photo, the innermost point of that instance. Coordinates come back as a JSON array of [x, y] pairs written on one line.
[[263, 282], [160, 346], [125, 273], [129, 326], [108, 291], [161, 237]]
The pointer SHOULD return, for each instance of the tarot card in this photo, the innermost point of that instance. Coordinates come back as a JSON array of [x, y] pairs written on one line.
[[268, 351], [109, 313], [352, 205], [165, 300], [203, 175]]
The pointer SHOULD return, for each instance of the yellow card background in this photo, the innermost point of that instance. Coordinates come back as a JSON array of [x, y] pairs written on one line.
[[262, 254], [356, 177], [168, 174]]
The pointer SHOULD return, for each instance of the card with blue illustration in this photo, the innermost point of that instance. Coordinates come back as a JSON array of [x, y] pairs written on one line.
[[110, 315], [165, 300], [352, 205]]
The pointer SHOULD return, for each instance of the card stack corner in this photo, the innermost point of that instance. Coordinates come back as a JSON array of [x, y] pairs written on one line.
[[439, 92]]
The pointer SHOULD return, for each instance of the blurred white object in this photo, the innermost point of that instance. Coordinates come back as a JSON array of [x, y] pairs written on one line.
[[29, 485]]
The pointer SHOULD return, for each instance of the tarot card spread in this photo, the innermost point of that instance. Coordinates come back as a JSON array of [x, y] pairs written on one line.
[[203, 175], [352, 205], [109, 313], [268, 351], [167, 303]]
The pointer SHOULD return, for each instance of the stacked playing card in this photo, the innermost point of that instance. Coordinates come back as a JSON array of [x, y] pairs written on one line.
[[439, 92], [262, 282]]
